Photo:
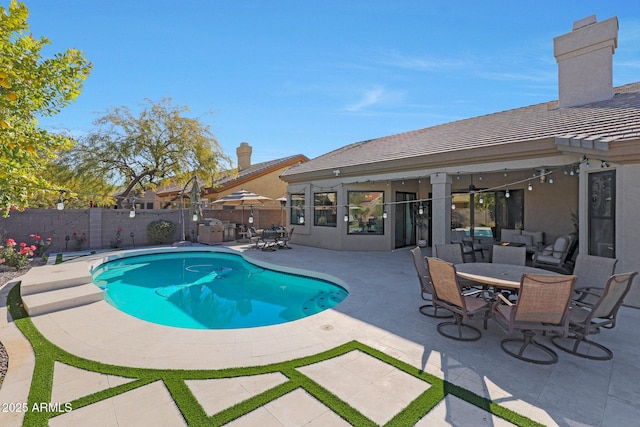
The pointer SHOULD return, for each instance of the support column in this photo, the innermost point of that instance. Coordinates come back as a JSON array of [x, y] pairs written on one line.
[[441, 208]]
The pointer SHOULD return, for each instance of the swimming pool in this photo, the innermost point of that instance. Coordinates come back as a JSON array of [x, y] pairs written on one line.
[[211, 290]]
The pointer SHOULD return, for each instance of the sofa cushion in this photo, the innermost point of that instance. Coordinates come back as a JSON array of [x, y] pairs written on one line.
[[506, 234], [538, 236], [521, 238]]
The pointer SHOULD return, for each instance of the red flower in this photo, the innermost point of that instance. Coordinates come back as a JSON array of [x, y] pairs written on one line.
[[23, 244], [32, 235], [32, 247], [37, 237], [11, 242], [48, 239]]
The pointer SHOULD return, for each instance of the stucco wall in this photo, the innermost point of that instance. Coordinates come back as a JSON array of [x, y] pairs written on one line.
[[627, 229]]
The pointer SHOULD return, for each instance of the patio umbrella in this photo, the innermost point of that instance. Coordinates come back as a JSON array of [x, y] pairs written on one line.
[[241, 198]]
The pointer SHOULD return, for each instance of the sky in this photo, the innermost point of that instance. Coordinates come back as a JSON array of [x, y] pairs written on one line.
[[308, 77]]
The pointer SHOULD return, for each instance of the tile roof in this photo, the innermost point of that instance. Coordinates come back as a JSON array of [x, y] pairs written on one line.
[[616, 119], [231, 178], [256, 169]]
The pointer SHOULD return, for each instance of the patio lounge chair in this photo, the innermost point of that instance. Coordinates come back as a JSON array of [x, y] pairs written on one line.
[[509, 255], [554, 257], [543, 305], [587, 319], [448, 295], [426, 288]]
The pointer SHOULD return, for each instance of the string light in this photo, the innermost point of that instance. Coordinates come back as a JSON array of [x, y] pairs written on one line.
[[507, 194], [530, 187]]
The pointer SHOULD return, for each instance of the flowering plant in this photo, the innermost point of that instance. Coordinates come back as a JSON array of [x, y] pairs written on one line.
[[80, 240], [41, 244], [115, 243], [14, 255]]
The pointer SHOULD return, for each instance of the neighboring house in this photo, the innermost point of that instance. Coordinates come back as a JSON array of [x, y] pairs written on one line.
[[540, 167], [260, 178]]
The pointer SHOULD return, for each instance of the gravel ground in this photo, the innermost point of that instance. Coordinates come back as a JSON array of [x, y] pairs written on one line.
[[8, 275]]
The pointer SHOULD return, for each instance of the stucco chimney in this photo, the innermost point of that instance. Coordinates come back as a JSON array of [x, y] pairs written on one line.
[[244, 155], [585, 61]]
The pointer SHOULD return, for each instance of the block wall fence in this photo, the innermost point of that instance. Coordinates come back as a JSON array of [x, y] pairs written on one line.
[[96, 228]]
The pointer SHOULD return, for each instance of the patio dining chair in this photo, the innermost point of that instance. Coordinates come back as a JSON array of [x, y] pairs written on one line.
[[593, 273], [426, 288], [466, 244], [447, 293], [283, 241], [449, 252], [587, 319], [509, 255], [543, 305]]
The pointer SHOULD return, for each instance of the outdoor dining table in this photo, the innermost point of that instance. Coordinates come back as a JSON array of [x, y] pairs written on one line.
[[502, 276]]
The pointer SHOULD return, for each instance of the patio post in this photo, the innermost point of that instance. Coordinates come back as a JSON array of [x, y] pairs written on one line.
[[441, 208]]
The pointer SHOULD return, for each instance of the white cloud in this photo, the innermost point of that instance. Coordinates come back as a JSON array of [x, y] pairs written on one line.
[[423, 63], [375, 96]]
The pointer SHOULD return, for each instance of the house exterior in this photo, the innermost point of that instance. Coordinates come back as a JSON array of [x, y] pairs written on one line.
[[561, 167]]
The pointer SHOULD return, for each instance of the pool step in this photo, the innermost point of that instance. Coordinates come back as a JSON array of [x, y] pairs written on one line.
[[53, 277], [61, 299]]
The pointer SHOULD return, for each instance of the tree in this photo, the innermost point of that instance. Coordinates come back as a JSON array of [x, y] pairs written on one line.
[[157, 145], [30, 87], [82, 188]]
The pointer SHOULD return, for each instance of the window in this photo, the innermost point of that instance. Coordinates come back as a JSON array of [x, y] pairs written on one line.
[[602, 214], [297, 203], [324, 209], [365, 212]]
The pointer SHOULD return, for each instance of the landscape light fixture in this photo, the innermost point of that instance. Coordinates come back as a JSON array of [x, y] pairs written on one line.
[[60, 203], [132, 212]]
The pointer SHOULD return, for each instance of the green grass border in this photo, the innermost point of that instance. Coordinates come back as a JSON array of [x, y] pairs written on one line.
[[47, 353]]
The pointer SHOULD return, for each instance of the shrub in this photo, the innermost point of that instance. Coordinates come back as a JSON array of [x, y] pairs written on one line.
[[160, 231], [14, 255]]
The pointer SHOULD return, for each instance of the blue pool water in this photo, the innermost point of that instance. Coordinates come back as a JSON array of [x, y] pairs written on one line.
[[211, 290]]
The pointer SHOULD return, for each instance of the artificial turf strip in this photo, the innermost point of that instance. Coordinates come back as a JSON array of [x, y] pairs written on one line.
[[47, 354]]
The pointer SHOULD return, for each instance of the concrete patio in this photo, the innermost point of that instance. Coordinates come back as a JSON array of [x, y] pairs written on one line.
[[381, 312]]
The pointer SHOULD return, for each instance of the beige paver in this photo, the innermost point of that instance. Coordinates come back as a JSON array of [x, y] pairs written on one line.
[[218, 394]]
